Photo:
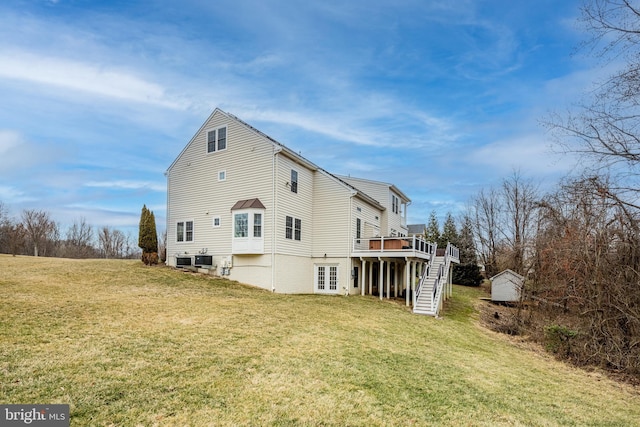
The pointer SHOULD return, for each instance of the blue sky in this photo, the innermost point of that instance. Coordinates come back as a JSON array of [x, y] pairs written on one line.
[[441, 98]]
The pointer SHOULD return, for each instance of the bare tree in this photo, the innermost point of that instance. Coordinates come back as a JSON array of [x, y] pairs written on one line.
[[485, 214], [111, 242], [162, 247], [504, 224], [587, 275], [5, 223], [604, 128], [518, 224], [79, 240], [40, 230]]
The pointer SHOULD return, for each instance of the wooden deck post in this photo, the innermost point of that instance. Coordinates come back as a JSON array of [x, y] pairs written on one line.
[[363, 273], [388, 279], [407, 274], [395, 279], [370, 277], [381, 277]]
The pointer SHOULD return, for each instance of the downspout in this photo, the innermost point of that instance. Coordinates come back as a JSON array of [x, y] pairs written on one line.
[[276, 150], [406, 214], [166, 243], [350, 240]]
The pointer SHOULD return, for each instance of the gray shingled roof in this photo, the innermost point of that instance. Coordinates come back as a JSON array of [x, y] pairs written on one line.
[[416, 228]]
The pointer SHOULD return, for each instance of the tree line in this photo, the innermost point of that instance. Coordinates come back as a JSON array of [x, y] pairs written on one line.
[[578, 245], [35, 233]]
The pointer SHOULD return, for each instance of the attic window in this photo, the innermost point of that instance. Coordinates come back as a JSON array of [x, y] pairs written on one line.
[[217, 139]]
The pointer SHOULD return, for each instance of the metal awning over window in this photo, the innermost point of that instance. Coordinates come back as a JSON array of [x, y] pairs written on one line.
[[248, 204]]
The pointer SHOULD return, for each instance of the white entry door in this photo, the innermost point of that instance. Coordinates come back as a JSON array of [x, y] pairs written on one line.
[[326, 279]]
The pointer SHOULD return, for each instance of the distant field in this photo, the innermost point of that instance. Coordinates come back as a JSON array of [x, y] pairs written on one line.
[[128, 345]]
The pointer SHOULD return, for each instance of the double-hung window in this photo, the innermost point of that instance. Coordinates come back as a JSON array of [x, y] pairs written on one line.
[[257, 225], [297, 230], [294, 181], [288, 228], [395, 202], [293, 228], [184, 231], [217, 139]]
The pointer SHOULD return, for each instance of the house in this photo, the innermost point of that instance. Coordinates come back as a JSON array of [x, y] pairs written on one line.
[[417, 229], [506, 286], [248, 208]]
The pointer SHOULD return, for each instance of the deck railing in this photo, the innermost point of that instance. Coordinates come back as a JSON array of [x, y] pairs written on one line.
[[394, 244]]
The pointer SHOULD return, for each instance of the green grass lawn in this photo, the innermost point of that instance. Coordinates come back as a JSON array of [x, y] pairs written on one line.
[[129, 345]]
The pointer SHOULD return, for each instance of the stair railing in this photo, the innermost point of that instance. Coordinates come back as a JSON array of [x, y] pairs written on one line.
[[425, 273], [443, 276]]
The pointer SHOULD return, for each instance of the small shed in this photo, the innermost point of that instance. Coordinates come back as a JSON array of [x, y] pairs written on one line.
[[506, 286]]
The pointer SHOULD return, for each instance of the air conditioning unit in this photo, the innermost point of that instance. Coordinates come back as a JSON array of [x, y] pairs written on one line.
[[183, 261], [204, 261]]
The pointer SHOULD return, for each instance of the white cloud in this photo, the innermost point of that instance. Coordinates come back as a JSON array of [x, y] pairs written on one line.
[[8, 141], [528, 153], [127, 185], [84, 77], [11, 194]]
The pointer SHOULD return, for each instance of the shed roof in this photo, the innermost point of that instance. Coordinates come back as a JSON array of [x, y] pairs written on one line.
[[508, 272]]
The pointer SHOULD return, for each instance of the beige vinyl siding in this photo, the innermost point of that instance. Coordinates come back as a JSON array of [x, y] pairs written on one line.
[[394, 220], [369, 215], [196, 194], [379, 192], [382, 192], [252, 269], [331, 217], [294, 274], [296, 205]]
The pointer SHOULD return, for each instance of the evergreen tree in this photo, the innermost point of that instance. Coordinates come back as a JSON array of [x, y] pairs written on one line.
[[449, 232], [148, 236], [432, 233], [466, 243], [467, 273]]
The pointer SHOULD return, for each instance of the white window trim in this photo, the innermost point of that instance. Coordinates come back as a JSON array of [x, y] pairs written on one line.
[[249, 244], [193, 231], [327, 278], [222, 175], [294, 220], [213, 221], [206, 139]]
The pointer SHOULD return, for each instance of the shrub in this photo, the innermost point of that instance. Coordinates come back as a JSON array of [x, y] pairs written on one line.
[[467, 275], [559, 339]]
